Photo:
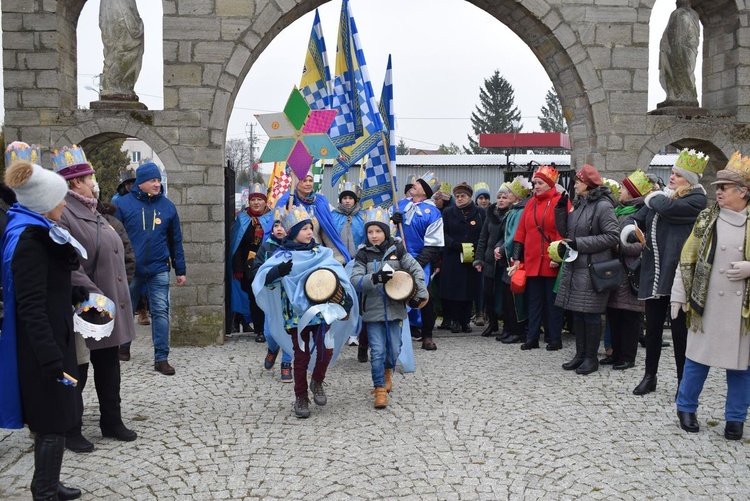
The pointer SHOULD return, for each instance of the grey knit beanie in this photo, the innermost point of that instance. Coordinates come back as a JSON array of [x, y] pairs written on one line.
[[38, 189]]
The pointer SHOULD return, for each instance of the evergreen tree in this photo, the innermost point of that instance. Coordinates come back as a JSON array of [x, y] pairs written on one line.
[[451, 149], [402, 148], [552, 119], [108, 160], [496, 111]]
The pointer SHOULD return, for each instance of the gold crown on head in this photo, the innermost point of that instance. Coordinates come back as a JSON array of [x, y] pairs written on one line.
[[377, 215], [295, 216], [350, 187], [613, 186], [257, 188], [737, 171], [692, 160], [68, 157], [18, 150], [520, 187], [638, 184]]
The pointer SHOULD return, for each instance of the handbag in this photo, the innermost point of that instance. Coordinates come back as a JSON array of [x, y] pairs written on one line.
[[633, 272], [605, 275], [518, 280]]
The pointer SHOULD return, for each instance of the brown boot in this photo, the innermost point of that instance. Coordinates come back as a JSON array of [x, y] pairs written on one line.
[[428, 344], [123, 353], [143, 318], [388, 380], [381, 397]]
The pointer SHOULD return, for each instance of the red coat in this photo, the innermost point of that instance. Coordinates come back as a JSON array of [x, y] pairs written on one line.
[[538, 217]]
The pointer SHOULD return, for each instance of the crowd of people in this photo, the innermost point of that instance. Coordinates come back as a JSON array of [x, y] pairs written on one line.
[[610, 259]]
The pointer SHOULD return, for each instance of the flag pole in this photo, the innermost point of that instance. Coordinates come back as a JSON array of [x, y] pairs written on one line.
[[292, 188], [387, 148]]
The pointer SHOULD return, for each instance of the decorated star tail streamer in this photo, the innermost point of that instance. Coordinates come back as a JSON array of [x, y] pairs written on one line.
[[298, 135]]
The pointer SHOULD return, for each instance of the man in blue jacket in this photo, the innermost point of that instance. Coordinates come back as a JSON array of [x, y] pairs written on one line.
[[153, 227]]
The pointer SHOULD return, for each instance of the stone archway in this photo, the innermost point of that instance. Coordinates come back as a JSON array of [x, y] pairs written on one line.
[[595, 55]]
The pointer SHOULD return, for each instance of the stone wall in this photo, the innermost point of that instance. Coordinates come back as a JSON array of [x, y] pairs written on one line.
[[595, 52]]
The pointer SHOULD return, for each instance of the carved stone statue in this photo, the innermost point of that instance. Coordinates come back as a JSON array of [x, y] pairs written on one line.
[[122, 36], [679, 53]]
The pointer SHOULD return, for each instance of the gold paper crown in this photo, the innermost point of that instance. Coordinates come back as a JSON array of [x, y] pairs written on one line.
[[295, 216], [638, 184], [613, 186], [377, 215], [431, 180], [445, 188], [18, 150], [481, 188], [692, 160], [410, 179], [68, 157], [548, 172], [350, 187], [739, 164], [257, 188], [520, 187]]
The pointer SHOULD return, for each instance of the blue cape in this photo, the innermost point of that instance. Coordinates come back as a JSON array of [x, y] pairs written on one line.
[[11, 415], [304, 263], [322, 212], [358, 225], [239, 300]]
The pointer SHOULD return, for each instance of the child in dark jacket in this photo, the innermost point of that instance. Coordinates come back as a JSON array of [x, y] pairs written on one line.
[[319, 327], [374, 266], [266, 250]]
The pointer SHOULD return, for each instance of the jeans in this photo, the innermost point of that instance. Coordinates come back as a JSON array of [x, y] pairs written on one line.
[[738, 390], [273, 346], [385, 347], [157, 291], [541, 301]]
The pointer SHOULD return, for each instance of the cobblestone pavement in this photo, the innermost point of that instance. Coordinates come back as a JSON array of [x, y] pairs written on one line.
[[478, 420]]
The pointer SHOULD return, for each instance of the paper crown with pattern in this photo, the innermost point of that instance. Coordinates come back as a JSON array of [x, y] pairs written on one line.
[[410, 179], [256, 190], [481, 188], [350, 188], [504, 188], [18, 150], [94, 318], [520, 187], [638, 184], [430, 180], [613, 186], [295, 216], [445, 188], [278, 214], [737, 171], [377, 215], [693, 161], [127, 175], [70, 162], [548, 174]]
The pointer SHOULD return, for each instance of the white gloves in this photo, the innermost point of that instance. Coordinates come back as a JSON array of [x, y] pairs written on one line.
[[676, 307], [740, 270]]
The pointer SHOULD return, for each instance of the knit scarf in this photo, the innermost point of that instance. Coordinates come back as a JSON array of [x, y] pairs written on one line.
[[696, 260], [621, 210], [258, 231], [350, 211], [88, 202]]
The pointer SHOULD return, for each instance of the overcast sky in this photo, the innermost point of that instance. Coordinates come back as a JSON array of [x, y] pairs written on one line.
[[439, 65]]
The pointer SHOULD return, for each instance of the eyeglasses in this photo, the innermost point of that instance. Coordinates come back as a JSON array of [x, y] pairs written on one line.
[[725, 187]]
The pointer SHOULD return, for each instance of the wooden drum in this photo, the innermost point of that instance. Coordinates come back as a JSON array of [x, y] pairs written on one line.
[[323, 286], [401, 287]]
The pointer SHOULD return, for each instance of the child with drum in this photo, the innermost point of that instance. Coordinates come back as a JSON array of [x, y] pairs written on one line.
[[312, 322], [267, 249], [387, 278]]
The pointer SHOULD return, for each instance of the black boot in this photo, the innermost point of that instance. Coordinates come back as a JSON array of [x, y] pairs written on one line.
[[67, 493], [577, 360], [490, 330], [647, 385], [48, 454], [593, 337], [455, 327]]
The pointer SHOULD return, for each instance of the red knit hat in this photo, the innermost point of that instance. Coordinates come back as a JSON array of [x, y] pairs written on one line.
[[589, 176]]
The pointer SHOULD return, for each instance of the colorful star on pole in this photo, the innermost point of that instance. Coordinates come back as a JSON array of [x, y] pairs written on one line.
[[299, 135]]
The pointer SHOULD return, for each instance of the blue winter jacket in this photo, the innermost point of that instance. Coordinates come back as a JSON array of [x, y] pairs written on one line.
[[153, 227]]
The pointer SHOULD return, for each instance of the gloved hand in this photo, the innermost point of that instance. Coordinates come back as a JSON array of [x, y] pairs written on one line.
[[79, 294], [675, 308], [740, 270], [381, 277], [238, 275], [415, 302], [563, 202], [397, 217], [456, 246], [53, 370], [284, 268]]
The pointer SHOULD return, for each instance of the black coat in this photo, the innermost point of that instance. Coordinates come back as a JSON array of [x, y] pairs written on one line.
[[44, 330], [460, 281], [492, 235]]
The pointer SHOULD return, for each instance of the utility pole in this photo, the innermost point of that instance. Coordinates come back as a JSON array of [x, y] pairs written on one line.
[[252, 140]]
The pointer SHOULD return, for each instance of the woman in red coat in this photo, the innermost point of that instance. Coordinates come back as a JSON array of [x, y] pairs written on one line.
[[536, 229]]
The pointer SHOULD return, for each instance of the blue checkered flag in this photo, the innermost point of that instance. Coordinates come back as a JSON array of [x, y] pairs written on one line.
[[377, 188], [316, 75], [358, 124]]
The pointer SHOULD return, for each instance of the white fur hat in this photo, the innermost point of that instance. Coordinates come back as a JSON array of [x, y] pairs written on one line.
[[38, 189]]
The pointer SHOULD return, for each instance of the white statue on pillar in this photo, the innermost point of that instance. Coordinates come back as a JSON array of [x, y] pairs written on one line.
[[122, 36], [679, 53]]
